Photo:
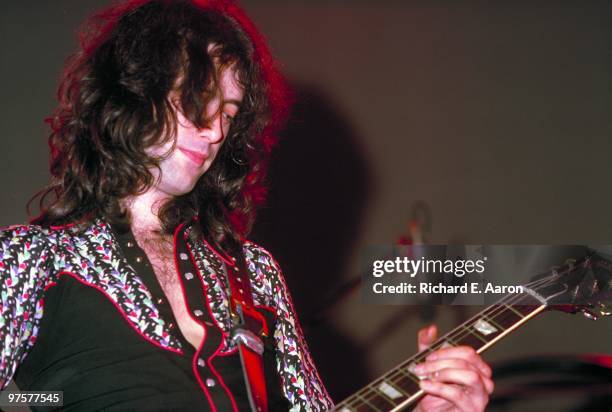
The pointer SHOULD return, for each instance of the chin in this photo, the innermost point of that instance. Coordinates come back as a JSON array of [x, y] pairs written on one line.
[[185, 190], [179, 190]]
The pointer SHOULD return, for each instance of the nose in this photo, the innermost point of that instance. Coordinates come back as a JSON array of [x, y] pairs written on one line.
[[213, 132]]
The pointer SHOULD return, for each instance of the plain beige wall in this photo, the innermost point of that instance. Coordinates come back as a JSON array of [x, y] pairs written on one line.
[[495, 115]]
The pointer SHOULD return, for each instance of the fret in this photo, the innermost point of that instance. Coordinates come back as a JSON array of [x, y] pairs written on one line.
[[370, 393], [381, 394], [447, 343], [470, 339], [533, 312], [356, 403], [358, 407], [366, 407], [365, 402], [390, 391], [404, 369], [527, 303], [399, 374], [408, 384], [410, 366], [403, 372], [526, 309], [442, 343], [407, 370], [473, 332], [506, 318], [491, 320], [405, 383], [399, 387], [510, 307], [380, 401]]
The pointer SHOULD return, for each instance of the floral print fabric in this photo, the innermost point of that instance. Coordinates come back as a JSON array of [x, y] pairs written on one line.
[[32, 259]]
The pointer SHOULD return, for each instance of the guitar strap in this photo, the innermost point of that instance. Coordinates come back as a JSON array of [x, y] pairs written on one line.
[[248, 325]]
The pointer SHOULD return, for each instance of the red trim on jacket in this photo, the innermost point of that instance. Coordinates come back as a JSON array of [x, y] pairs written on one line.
[[223, 334]]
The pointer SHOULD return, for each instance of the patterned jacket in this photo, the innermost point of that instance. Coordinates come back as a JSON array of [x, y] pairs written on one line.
[[33, 258]]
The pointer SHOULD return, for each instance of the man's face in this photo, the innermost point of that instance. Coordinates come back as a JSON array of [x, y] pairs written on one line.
[[195, 148]]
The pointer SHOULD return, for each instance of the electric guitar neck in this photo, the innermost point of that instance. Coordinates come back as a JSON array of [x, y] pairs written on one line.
[[587, 285]]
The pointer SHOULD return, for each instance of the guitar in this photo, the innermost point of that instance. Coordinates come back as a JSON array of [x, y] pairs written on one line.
[[586, 285]]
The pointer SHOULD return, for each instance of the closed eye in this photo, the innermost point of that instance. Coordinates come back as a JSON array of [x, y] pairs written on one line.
[[228, 117], [230, 109]]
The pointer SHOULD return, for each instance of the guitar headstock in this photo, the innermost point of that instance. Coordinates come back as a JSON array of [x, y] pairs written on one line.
[[579, 286]]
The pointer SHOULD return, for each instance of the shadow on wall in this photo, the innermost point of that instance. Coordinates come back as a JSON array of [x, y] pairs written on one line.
[[319, 187]]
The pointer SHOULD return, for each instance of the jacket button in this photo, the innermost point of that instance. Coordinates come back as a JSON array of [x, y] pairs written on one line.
[[210, 382], [138, 259], [198, 312], [184, 256], [188, 275], [201, 362], [171, 325], [160, 301], [130, 244]]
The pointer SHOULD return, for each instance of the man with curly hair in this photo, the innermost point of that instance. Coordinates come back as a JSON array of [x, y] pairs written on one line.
[[135, 288]]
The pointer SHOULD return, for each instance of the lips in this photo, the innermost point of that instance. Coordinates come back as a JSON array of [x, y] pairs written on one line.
[[196, 157]]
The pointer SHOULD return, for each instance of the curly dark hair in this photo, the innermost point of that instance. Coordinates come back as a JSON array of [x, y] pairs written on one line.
[[113, 104]]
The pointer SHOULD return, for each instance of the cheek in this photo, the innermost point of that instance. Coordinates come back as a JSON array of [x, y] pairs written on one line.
[[159, 151]]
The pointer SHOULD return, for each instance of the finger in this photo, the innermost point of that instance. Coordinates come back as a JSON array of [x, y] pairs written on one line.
[[454, 394], [489, 385], [427, 336], [463, 377], [474, 385], [462, 352], [429, 367]]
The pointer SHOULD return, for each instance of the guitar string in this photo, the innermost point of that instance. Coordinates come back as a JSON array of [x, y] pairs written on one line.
[[502, 306], [454, 338], [414, 359], [455, 334], [490, 312]]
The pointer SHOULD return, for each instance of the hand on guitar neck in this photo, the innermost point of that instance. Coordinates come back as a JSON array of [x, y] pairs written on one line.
[[455, 378]]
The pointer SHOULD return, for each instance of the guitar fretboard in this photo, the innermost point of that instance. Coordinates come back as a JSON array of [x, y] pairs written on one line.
[[399, 388]]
